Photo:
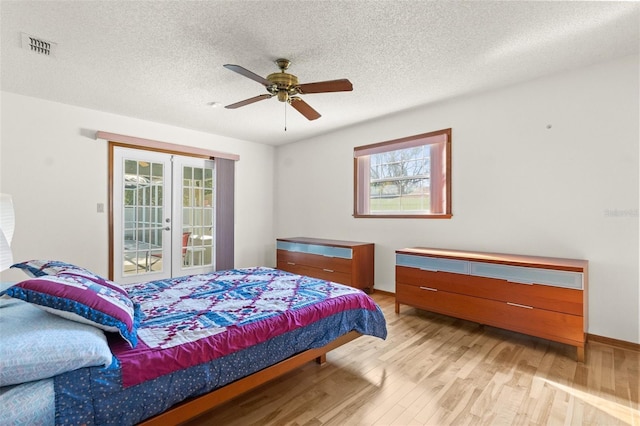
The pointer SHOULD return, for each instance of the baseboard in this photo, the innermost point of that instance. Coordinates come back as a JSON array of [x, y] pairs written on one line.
[[386, 293], [623, 344]]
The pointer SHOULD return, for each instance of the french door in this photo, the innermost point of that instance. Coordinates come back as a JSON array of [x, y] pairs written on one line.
[[163, 215]]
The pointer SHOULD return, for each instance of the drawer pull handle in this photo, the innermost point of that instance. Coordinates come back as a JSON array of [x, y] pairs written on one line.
[[328, 270], [428, 269], [520, 282], [428, 288], [517, 305], [290, 263]]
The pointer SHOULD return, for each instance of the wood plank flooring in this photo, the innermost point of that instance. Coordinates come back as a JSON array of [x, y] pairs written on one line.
[[437, 370]]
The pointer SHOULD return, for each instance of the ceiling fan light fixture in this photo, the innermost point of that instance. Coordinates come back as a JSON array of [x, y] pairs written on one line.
[[283, 95]]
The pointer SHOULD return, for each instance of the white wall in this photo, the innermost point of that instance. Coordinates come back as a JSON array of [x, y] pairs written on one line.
[[58, 174], [518, 186]]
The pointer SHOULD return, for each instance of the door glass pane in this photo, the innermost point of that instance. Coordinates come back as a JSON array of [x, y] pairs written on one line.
[[197, 216], [143, 213]]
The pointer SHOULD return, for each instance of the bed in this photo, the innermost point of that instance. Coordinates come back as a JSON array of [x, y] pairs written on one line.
[[163, 351]]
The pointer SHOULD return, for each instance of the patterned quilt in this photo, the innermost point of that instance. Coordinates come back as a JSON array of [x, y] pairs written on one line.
[[198, 318], [206, 331]]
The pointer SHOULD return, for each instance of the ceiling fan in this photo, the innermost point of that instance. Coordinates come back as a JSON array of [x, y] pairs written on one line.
[[286, 87]]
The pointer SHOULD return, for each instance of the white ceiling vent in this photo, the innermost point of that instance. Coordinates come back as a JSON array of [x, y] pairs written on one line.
[[38, 45]]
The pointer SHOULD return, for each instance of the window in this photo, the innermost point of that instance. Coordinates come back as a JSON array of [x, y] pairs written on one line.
[[408, 177]]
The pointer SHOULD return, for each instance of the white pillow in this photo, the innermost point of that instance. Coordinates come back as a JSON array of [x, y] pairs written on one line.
[[38, 345], [31, 403]]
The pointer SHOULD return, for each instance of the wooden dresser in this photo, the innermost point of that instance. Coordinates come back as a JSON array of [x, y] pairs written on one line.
[[540, 296], [344, 262]]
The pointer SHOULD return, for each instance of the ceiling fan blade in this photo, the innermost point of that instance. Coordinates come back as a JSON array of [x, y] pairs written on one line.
[[245, 72], [342, 85], [303, 108], [248, 101]]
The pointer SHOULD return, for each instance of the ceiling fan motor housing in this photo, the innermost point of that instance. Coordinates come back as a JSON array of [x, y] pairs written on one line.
[[284, 85]]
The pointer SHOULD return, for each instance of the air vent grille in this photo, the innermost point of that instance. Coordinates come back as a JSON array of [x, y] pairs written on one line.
[[38, 45]]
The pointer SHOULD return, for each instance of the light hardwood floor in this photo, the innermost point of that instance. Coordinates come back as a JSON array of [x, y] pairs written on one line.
[[437, 370]]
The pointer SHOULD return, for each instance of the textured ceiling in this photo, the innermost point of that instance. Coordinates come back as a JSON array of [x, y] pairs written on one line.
[[162, 60]]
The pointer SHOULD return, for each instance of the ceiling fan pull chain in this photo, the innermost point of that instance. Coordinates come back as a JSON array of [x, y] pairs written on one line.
[[285, 115]]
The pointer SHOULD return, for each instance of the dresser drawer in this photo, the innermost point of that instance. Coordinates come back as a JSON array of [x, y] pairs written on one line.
[[321, 273], [528, 275], [433, 264], [430, 299], [337, 264], [445, 281], [540, 296], [546, 297], [552, 325], [321, 250]]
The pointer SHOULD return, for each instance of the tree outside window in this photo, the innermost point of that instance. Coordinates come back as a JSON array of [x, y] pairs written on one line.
[[408, 177]]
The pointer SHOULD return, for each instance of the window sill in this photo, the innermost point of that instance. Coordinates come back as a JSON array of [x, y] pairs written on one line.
[[404, 216]]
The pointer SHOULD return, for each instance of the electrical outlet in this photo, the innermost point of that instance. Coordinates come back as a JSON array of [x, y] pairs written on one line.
[[100, 207]]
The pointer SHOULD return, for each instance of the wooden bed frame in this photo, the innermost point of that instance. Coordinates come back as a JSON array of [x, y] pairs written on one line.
[[193, 407]]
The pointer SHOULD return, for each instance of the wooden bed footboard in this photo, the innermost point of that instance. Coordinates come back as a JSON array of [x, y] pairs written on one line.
[[193, 407]]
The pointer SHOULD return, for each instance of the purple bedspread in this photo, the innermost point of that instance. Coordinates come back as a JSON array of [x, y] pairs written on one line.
[[198, 318]]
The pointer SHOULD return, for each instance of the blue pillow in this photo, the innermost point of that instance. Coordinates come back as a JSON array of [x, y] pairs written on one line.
[[84, 300]]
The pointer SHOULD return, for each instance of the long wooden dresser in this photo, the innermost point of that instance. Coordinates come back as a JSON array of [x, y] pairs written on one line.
[[540, 296], [344, 262]]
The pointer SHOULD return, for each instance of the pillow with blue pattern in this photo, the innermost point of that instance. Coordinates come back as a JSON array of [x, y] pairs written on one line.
[[84, 300], [39, 268]]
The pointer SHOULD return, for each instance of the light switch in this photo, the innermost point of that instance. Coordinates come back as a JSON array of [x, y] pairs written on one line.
[[100, 207]]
